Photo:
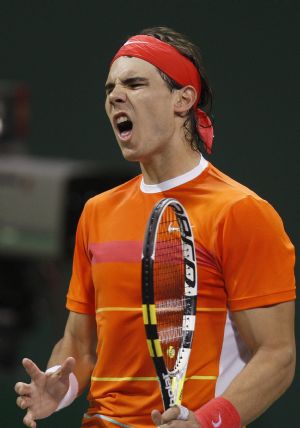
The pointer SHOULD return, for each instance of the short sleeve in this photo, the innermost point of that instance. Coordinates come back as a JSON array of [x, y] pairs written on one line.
[[80, 296], [257, 256]]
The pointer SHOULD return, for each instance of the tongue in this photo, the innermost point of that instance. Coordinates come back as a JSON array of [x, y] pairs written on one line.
[[125, 133]]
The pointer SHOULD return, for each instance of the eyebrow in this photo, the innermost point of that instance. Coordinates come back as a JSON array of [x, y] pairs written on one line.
[[129, 81]]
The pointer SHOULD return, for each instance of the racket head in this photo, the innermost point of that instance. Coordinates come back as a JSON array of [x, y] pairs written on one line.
[[169, 294]]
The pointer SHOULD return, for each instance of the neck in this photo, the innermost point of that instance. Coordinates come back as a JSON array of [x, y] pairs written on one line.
[[161, 169]]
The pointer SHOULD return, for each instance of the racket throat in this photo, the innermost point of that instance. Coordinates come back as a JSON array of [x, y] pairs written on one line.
[[172, 388], [167, 391], [177, 387]]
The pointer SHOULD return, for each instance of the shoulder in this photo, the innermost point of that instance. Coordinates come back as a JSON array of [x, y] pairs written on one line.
[[223, 196], [253, 213], [223, 184], [231, 209], [118, 194], [238, 199]]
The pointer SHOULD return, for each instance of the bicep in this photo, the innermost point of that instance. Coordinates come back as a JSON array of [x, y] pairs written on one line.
[[271, 326], [256, 256], [81, 329]]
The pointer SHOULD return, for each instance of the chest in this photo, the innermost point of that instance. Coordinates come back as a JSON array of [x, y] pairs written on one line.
[[115, 250]]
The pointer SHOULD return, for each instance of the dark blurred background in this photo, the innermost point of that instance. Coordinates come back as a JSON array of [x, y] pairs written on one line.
[[57, 148]]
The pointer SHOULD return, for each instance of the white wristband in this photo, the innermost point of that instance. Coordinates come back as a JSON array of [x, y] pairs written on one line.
[[183, 413], [72, 392]]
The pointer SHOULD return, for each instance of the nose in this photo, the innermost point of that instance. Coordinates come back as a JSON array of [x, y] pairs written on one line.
[[117, 94]]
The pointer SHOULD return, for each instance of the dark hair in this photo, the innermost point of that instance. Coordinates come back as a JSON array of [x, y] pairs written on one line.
[[192, 52]]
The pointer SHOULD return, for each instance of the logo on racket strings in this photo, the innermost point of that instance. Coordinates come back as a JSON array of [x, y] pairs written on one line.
[[171, 351]]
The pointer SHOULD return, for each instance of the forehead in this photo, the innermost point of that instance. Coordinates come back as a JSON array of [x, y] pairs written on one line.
[[127, 67]]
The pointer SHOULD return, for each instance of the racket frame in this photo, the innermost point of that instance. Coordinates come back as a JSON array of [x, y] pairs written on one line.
[[171, 382]]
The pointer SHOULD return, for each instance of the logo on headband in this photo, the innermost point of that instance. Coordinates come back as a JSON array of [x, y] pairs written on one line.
[[135, 42]]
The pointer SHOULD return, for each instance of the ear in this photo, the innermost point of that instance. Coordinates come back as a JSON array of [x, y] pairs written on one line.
[[184, 99]]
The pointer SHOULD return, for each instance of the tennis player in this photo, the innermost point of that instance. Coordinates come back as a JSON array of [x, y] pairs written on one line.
[[243, 355]]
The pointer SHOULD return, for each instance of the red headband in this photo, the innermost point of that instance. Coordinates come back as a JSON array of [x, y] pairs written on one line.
[[175, 65]]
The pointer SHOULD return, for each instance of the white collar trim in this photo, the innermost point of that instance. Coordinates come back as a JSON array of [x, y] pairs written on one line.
[[174, 182]]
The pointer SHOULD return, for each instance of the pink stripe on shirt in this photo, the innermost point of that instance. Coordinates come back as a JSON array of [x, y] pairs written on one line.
[[116, 251]]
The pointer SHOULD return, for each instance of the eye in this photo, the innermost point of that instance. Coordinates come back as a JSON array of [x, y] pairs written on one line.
[[108, 89], [136, 85]]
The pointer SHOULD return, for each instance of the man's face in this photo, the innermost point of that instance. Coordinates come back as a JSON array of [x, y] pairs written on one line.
[[140, 108]]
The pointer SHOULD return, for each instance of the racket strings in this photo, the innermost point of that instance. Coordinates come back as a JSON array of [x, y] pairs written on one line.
[[169, 279], [168, 307]]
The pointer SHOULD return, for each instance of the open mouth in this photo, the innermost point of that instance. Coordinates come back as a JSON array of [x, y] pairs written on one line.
[[124, 126]]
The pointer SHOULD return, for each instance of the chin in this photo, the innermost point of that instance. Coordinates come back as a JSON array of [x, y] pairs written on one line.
[[130, 156]]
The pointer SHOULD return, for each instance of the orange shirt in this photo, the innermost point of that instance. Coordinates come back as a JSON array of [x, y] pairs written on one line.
[[244, 258]]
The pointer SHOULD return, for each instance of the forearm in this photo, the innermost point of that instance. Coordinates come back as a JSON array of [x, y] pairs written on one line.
[[79, 341], [264, 379]]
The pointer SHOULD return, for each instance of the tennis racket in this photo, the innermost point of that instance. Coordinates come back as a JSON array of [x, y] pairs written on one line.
[[169, 295]]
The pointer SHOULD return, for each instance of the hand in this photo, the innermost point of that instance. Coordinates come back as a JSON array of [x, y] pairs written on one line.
[[45, 391], [169, 419]]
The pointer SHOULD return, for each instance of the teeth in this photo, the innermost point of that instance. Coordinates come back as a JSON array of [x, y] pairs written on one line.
[[122, 119]]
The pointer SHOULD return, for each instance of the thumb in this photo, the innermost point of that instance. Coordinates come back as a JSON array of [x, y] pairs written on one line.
[[68, 366], [64, 371], [156, 417]]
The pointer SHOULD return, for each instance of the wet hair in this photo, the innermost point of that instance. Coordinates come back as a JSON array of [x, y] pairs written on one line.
[[192, 52]]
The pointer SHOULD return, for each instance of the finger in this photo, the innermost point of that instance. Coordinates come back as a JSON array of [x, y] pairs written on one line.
[[22, 388], [32, 369], [156, 417], [170, 414], [29, 421], [24, 402]]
